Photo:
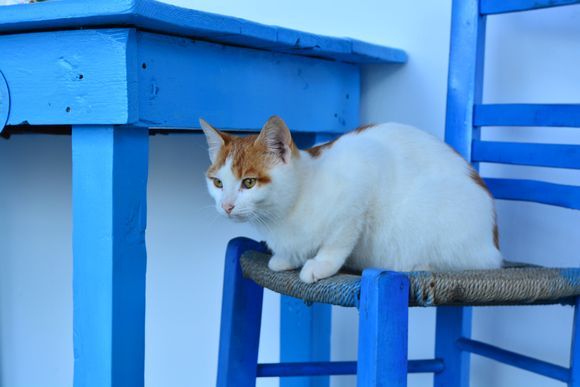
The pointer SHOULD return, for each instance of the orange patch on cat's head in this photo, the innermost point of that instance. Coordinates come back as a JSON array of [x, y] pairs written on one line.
[[249, 158], [254, 155]]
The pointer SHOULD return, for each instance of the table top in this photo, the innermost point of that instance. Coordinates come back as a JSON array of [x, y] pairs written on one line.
[[155, 16]]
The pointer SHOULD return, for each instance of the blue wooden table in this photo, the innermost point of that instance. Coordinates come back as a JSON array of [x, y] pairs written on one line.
[[112, 70]]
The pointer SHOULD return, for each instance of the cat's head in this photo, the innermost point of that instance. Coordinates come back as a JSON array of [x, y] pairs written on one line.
[[252, 178]]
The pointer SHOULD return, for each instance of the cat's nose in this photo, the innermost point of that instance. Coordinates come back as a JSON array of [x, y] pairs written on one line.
[[228, 207]]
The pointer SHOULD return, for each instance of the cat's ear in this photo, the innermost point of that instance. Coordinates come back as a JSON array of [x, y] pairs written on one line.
[[277, 138], [215, 139]]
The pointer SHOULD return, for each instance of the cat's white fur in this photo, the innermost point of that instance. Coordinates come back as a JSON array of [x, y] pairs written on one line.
[[390, 197]]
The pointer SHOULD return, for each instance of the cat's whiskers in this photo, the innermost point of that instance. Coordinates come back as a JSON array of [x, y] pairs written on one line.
[[264, 216], [259, 222]]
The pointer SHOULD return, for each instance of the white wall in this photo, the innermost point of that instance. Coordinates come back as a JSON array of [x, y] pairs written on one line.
[[532, 57]]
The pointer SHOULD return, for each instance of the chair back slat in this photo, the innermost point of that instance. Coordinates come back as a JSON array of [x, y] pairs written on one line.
[[491, 7], [539, 155], [559, 115], [560, 195], [466, 115]]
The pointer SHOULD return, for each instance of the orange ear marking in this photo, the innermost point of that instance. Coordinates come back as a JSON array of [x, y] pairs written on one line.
[[254, 155]]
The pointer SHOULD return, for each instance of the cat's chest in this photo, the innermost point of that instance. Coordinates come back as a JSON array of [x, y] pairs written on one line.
[[295, 236]]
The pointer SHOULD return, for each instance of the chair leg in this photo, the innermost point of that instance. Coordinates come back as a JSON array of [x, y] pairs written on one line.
[[240, 320], [452, 324], [575, 350], [383, 327], [304, 336]]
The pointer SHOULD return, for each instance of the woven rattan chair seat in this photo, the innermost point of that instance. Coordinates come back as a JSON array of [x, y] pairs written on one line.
[[515, 284]]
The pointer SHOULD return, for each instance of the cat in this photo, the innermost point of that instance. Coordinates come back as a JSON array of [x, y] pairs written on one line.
[[387, 196]]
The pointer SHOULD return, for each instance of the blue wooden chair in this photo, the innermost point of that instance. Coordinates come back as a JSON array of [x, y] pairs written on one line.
[[383, 297]]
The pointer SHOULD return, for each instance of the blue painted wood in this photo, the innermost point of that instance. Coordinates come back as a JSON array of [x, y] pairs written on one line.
[[4, 102], [574, 380], [156, 16], [62, 83], [383, 328], [465, 116], [377, 54], [535, 191], [294, 369], [337, 368], [304, 140], [514, 359], [452, 323], [489, 7], [563, 115], [59, 15], [425, 366], [541, 155], [304, 336], [232, 87], [465, 77], [236, 88], [301, 43], [464, 90], [109, 219], [240, 320]]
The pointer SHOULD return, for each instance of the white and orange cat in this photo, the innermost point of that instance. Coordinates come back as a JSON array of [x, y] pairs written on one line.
[[388, 196]]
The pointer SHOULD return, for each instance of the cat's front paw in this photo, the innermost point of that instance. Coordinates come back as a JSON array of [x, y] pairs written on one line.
[[314, 270], [278, 263]]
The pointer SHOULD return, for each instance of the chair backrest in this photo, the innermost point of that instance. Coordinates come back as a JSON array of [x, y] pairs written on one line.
[[466, 114]]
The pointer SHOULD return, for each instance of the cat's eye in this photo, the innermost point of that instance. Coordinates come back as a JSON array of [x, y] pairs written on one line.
[[249, 182], [217, 182]]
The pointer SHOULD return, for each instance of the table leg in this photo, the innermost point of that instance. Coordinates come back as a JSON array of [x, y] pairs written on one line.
[[109, 218]]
